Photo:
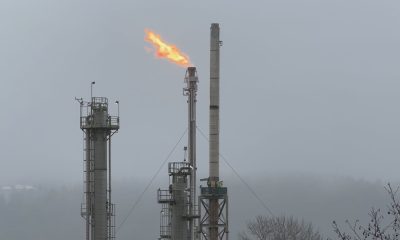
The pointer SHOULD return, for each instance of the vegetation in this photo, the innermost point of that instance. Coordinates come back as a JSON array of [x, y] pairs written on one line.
[[279, 228], [382, 225]]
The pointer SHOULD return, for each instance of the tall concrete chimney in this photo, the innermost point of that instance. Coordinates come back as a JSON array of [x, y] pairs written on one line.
[[214, 105], [214, 198]]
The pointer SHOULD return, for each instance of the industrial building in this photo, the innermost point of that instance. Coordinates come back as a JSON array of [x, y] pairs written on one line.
[[184, 214]]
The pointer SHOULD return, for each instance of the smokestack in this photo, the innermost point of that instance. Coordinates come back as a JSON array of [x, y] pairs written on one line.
[[214, 128], [213, 199], [214, 105]]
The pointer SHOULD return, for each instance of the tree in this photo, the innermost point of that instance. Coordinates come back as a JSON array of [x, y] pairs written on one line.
[[381, 226], [279, 228]]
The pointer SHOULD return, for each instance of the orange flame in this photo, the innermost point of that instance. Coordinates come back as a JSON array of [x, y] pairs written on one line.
[[165, 50]]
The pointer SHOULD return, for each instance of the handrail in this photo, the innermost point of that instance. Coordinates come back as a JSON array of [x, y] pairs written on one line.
[[111, 122]]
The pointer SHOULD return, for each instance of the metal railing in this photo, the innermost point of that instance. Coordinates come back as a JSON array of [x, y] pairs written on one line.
[[195, 213], [213, 190], [111, 122], [179, 168], [84, 212], [111, 227], [99, 101], [165, 222], [165, 232], [164, 196]]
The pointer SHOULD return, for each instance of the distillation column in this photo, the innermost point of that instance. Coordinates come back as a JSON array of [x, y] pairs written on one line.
[[179, 226], [98, 127]]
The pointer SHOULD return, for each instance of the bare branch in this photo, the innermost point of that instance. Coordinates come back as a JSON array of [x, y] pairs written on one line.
[[279, 228], [378, 228]]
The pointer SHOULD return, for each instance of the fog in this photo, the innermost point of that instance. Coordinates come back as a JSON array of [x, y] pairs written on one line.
[[52, 212], [309, 93]]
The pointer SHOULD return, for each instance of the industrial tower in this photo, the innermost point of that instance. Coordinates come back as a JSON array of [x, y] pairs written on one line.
[[179, 213], [213, 199], [98, 127]]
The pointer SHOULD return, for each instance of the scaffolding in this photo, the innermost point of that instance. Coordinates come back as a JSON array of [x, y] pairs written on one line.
[[218, 194]]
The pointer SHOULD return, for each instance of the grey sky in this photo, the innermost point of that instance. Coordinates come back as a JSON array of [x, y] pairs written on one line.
[[307, 86]]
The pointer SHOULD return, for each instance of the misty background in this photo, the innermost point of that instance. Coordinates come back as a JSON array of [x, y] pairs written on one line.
[[49, 212], [309, 113]]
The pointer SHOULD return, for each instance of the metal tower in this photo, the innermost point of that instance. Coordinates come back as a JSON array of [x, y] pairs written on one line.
[[179, 214], [98, 127], [191, 91], [214, 198]]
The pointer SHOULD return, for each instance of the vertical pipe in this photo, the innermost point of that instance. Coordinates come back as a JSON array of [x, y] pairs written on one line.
[[214, 128], [227, 218], [192, 80], [109, 212], [87, 184]]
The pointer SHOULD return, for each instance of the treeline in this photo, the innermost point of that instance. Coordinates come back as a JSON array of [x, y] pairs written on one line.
[[54, 212]]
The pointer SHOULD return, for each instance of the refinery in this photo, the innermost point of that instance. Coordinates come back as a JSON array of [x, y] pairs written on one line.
[[186, 214], [130, 120]]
